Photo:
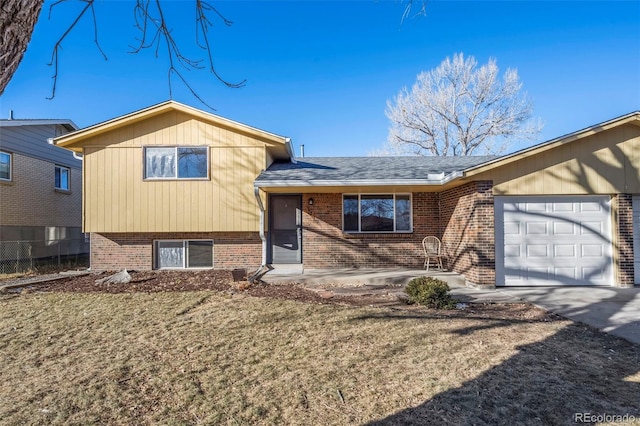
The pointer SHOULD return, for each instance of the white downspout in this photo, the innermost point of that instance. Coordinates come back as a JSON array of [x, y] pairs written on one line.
[[263, 265]]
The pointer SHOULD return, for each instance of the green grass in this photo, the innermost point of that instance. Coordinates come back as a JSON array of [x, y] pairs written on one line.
[[207, 358]]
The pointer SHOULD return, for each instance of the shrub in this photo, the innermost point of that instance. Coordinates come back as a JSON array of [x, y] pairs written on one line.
[[430, 292]]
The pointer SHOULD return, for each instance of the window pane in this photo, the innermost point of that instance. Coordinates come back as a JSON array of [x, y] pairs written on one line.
[[200, 254], [5, 166], [350, 212], [62, 178], [160, 162], [170, 254], [376, 212], [403, 213], [192, 162]]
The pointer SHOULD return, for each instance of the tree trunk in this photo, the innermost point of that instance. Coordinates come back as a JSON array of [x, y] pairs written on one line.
[[17, 21]]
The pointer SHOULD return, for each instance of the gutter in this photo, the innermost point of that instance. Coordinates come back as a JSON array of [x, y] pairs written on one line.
[[263, 265], [50, 141], [436, 179]]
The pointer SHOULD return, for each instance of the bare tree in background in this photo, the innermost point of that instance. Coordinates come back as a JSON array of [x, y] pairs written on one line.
[[459, 108]]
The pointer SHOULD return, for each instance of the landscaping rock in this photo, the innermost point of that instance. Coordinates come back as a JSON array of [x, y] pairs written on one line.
[[121, 277]]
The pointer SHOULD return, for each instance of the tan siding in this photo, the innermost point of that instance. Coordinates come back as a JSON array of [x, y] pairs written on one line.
[[604, 163], [119, 200]]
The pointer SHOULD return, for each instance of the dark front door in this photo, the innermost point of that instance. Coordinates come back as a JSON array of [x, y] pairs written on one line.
[[285, 228]]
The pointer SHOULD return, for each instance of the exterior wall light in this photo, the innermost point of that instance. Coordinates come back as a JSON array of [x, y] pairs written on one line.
[[310, 201]]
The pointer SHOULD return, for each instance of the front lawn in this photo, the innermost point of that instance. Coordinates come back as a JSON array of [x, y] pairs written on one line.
[[206, 357]]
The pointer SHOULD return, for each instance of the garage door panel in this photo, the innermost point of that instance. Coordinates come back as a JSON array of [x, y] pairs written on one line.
[[591, 207], [593, 228], [537, 250], [512, 228], [568, 272], [564, 250], [563, 228], [553, 240], [592, 250], [536, 228], [533, 207]]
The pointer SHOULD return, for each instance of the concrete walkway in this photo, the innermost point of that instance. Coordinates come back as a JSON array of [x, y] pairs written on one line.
[[610, 309]]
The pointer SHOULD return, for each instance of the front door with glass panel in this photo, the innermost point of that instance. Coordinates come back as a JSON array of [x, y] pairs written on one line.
[[285, 228]]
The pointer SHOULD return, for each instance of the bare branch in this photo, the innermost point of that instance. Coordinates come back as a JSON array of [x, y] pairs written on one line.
[[204, 23], [58, 45], [409, 6]]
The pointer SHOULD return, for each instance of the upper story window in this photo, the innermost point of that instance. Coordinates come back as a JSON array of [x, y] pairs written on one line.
[[176, 163], [5, 166], [62, 178], [376, 213]]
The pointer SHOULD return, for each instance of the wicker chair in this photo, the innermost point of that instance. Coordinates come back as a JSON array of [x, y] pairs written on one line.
[[432, 252]]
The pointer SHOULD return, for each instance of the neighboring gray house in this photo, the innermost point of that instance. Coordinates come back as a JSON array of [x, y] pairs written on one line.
[[40, 190]]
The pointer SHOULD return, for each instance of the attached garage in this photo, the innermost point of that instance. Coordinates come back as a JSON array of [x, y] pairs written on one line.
[[553, 240]]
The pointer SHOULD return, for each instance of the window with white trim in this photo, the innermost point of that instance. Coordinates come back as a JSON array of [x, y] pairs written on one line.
[[176, 162], [62, 175], [5, 165], [181, 254], [376, 213]]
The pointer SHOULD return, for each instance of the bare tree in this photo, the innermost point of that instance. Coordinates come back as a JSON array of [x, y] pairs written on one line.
[[17, 20], [459, 108]]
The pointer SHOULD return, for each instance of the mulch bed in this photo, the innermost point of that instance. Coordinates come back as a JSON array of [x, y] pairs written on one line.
[[230, 282]]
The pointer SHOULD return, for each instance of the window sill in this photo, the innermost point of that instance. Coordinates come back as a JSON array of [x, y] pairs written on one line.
[[176, 180], [6, 182], [376, 232], [62, 191]]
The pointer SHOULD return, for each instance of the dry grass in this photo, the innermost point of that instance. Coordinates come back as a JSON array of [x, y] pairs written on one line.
[[208, 358]]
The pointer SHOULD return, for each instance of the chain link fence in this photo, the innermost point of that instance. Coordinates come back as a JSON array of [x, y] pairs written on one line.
[[23, 256]]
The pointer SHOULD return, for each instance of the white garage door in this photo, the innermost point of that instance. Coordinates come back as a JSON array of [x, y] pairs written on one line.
[[636, 238], [553, 241]]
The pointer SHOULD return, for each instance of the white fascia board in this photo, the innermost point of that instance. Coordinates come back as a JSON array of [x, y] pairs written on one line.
[[38, 122], [290, 150], [360, 182]]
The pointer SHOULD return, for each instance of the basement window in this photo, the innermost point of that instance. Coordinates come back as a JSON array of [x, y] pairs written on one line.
[[183, 254], [376, 213]]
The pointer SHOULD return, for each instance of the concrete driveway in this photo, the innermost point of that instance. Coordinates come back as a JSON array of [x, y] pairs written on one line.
[[610, 309]]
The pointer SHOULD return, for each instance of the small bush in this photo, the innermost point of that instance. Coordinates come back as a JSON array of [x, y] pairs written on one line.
[[430, 292]]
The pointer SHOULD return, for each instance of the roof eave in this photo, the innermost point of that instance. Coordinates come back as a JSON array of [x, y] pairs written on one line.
[[133, 117], [631, 118], [299, 183]]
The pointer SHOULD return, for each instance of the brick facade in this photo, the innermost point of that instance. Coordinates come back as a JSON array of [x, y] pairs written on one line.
[[113, 251], [325, 245], [624, 266], [30, 198], [467, 231], [462, 217]]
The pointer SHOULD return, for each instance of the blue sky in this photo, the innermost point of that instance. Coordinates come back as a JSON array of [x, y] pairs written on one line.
[[322, 72]]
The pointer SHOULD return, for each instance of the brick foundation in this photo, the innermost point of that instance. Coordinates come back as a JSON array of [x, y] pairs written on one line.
[[113, 251]]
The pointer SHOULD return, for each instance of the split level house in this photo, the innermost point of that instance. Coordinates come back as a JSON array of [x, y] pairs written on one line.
[[171, 186], [40, 191]]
